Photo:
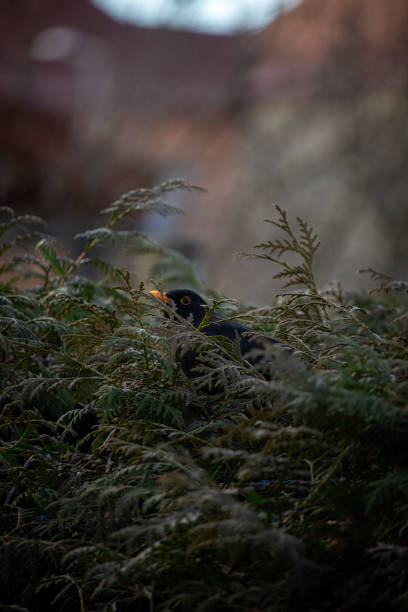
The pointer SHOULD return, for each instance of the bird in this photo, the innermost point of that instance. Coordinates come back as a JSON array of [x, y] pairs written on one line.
[[191, 306]]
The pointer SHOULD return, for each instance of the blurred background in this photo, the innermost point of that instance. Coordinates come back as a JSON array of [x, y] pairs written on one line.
[[262, 102]]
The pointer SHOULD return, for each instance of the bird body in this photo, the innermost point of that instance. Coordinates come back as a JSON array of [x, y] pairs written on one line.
[[191, 306]]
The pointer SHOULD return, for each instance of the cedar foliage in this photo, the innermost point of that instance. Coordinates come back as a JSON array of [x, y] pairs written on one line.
[[127, 487]]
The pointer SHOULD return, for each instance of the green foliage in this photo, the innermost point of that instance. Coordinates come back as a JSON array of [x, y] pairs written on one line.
[[276, 486]]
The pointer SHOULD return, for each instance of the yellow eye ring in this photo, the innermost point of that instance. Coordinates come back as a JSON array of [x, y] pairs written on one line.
[[185, 300]]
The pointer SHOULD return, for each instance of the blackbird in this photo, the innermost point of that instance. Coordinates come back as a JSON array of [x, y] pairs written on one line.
[[191, 306]]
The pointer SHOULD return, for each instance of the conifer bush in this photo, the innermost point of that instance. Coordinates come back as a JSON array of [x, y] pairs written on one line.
[[127, 486]]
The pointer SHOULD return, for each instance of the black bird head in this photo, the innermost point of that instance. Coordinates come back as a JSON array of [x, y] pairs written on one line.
[[187, 303]]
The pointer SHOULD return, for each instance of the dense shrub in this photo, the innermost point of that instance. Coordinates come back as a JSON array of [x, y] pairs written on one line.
[[127, 486]]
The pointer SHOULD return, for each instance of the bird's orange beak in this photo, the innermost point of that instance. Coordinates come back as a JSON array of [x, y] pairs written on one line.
[[161, 296]]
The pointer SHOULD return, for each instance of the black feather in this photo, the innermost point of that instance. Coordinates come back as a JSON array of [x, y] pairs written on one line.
[[191, 306]]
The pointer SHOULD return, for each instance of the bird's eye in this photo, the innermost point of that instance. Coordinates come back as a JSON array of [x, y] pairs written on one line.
[[185, 300]]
